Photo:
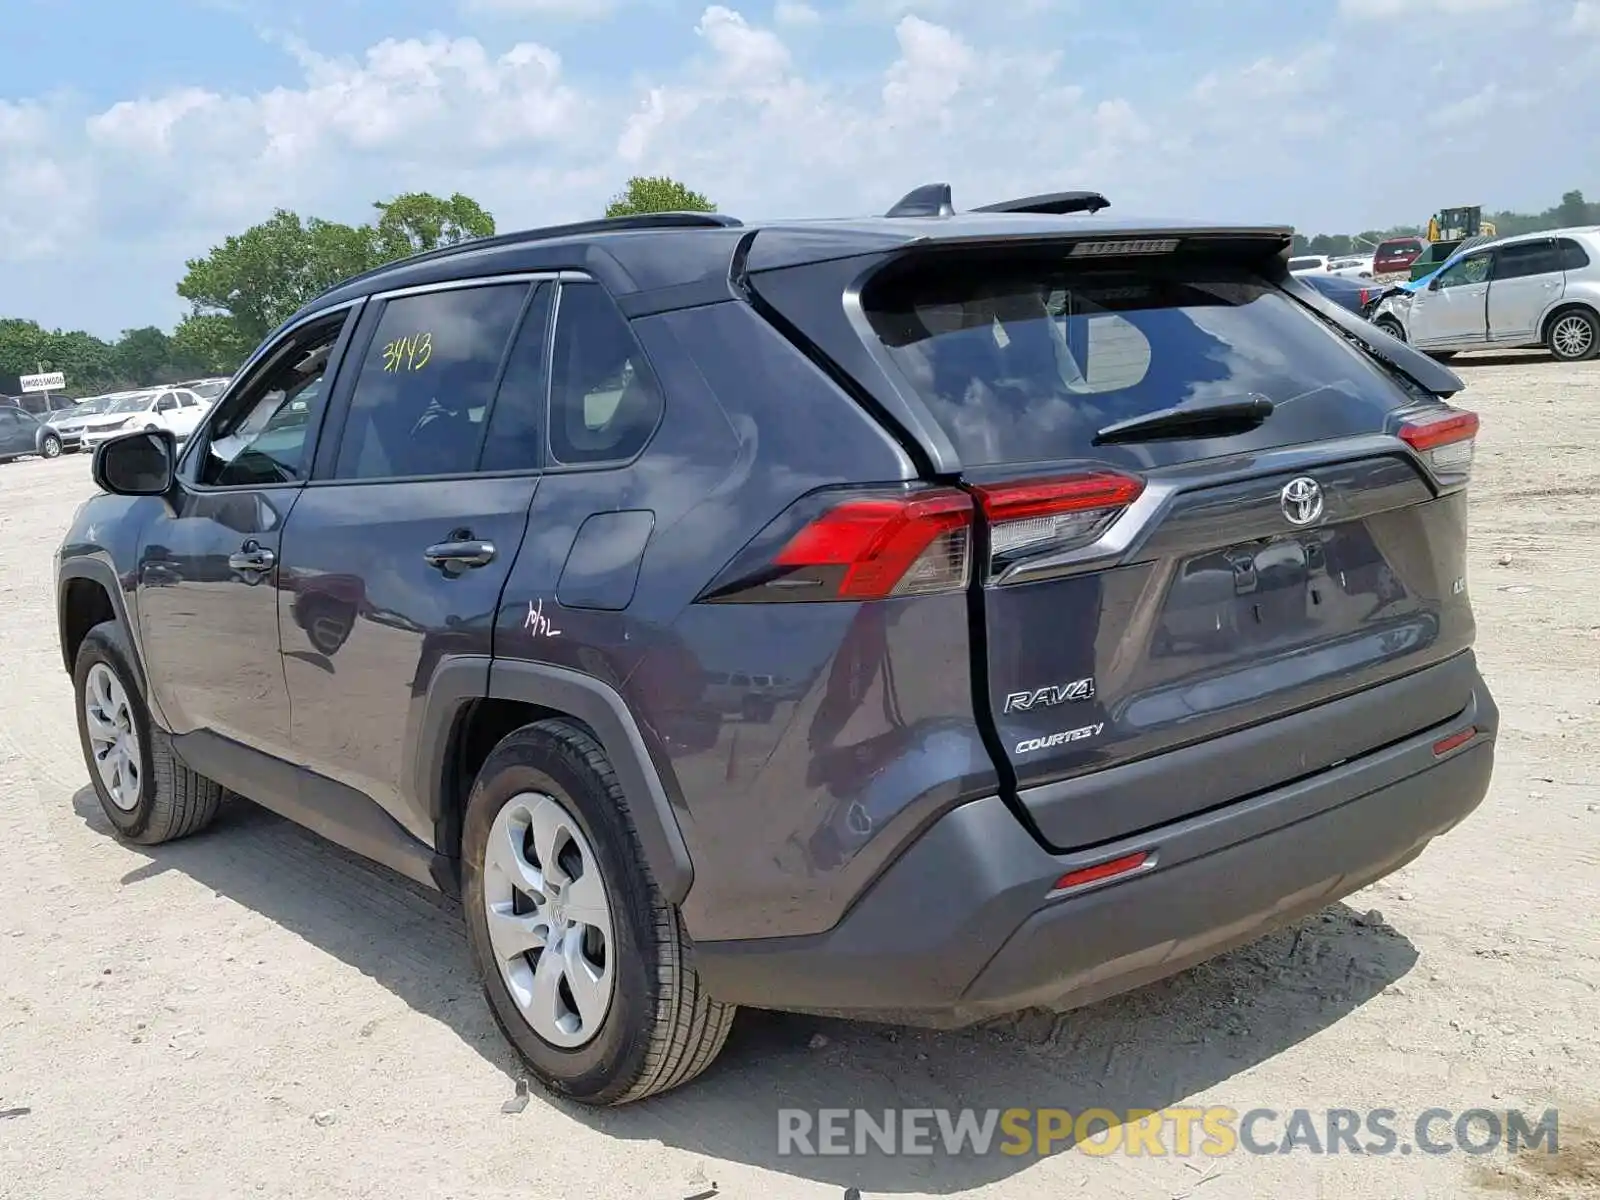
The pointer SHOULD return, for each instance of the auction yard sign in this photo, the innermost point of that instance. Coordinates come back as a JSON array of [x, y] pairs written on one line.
[[49, 381]]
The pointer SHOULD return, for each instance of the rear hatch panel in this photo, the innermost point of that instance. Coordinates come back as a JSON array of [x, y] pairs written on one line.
[[1202, 613]]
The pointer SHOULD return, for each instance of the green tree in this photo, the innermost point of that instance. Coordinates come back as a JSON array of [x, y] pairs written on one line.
[[656, 194], [209, 344], [416, 222], [1572, 210], [258, 278], [255, 280], [143, 356]]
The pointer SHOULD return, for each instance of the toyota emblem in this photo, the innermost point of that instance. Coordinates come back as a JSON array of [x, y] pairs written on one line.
[[1301, 500]]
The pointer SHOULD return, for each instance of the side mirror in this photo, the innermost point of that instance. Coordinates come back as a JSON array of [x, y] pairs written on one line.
[[1433, 284], [137, 464]]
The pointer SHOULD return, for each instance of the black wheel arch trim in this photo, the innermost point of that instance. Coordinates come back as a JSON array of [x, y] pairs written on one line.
[[100, 571], [459, 681], [1561, 309]]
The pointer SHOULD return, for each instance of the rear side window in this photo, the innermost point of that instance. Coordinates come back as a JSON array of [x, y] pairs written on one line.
[[604, 400], [422, 397], [1573, 256], [1027, 364], [515, 440], [1527, 258]]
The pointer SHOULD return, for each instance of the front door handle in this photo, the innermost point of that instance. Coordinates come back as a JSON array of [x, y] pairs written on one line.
[[454, 557], [252, 556]]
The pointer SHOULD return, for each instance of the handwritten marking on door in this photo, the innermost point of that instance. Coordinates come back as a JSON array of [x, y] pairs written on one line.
[[537, 623]]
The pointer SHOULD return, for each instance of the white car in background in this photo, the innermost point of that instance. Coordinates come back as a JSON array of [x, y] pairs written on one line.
[[1534, 289], [176, 409], [1351, 266], [1301, 263]]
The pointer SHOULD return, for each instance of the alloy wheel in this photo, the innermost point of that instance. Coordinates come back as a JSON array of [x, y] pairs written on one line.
[[549, 919], [1572, 337], [113, 736]]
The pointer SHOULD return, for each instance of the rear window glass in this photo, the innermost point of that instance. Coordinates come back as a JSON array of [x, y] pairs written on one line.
[[1028, 365]]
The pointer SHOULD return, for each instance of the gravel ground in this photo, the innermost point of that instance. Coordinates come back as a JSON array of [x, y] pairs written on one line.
[[255, 1013]]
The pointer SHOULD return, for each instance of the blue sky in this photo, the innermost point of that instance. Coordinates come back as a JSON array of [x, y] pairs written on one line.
[[134, 137]]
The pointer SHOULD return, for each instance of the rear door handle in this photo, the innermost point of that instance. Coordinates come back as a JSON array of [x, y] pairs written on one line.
[[455, 557], [252, 556]]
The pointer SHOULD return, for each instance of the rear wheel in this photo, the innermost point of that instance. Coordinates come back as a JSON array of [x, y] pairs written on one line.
[[147, 794], [1391, 326], [585, 966], [50, 446], [1574, 335]]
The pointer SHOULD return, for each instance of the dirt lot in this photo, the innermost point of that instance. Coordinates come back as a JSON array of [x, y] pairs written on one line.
[[253, 1013]]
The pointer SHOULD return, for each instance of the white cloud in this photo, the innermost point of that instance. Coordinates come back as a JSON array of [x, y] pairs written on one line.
[[1384, 10], [758, 119], [584, 10], [1585, 17], [796, 14]]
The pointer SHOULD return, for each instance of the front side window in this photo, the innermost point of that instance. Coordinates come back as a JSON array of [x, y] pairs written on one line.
[[262, 436], [422, 397], [605, 402], [1465, 272]]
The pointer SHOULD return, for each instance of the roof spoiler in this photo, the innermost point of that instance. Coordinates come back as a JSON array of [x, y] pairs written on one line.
[[1054, 203], [934, 200]]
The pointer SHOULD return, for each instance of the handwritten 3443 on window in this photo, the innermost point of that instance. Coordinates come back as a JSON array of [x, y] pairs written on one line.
[[410, 353]]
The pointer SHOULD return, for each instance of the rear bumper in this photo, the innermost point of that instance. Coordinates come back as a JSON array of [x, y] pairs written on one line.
[[959, 927]]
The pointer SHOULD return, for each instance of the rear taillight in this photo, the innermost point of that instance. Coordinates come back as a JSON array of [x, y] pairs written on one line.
[[857, 546], [1053, 515], [852, 544], [870, 549], [1444, 440]]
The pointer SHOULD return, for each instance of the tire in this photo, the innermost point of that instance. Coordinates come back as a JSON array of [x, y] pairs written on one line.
[[657, 1028], [1441, 355], [159, 799], [1391, 326], [1573, 335], [50, 446]]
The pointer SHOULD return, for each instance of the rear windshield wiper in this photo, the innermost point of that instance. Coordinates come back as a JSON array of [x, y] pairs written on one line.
[[1217, 418]]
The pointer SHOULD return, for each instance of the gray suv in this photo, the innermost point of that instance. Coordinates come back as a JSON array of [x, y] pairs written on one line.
[[914, 618]]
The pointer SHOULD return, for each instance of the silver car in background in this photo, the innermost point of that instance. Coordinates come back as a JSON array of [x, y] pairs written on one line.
[[1531, 290]]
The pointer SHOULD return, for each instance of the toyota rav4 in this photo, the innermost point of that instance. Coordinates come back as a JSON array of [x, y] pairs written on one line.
[[915, 618]]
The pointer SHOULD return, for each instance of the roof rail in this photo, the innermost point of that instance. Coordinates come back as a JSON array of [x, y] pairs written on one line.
[[1055, 203], [929, 200], [661, 220]]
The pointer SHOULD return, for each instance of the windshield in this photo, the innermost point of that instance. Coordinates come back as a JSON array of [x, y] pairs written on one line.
[[129, 404], [1026, 363], [84, 408], [208, 391]]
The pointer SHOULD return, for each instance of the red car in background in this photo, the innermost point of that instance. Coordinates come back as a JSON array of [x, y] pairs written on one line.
[[1397, 254]]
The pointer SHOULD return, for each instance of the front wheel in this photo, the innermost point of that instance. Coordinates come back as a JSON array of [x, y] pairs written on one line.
[[586, 967], [1391, 326], [148, 795], [1574, 335], [50, 446]]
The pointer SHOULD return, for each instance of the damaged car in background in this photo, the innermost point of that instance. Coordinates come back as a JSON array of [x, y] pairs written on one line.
[[1525, 292]]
